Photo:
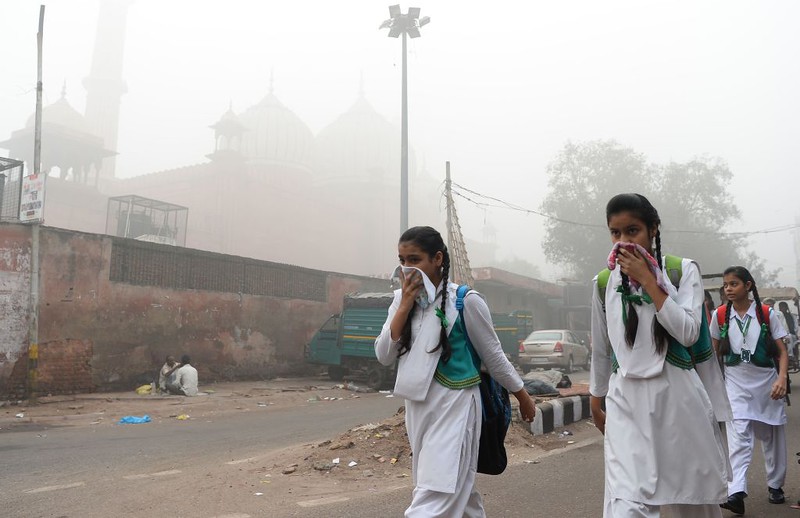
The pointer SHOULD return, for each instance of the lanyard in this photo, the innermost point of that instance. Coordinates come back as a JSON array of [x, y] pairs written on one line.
[[744, 328]]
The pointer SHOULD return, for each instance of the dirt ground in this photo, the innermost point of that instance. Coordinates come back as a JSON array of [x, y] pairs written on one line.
[[368, 451]]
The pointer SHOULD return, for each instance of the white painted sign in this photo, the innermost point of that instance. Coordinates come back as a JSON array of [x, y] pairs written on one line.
[[31, 207]]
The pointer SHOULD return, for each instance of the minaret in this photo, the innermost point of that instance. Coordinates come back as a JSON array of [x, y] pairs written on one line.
[[104, 85]]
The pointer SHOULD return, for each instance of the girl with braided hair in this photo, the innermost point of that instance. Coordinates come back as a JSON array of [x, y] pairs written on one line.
[[656, 393], [438, 376], [748, 337]]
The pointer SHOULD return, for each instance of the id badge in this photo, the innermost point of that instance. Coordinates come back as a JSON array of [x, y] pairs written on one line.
[[745, 356]]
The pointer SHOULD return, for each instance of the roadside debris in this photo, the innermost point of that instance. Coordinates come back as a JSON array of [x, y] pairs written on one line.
[[132, 419]]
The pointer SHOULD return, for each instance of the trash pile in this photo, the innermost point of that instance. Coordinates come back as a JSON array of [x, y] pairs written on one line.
[[379, 450], [374, 449]]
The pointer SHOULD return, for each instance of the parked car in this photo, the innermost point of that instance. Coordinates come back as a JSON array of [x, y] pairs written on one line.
[[553, 348]]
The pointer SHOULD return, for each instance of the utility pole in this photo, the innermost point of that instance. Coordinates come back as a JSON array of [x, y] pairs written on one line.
[[459, 261], [404, 24], [32, 385]]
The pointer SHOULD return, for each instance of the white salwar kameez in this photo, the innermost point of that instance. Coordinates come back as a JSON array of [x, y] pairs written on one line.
[[663, 446], [444, 424], [755, 414]]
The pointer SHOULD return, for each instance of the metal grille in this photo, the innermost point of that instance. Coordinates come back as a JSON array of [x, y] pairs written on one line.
[[149, 264], [10, 188]]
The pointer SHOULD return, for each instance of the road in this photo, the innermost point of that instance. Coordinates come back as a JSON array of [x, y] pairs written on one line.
[[52, 472], [215, 469]]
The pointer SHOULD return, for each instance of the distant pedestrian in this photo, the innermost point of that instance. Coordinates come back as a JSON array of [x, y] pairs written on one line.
[[167, 373], [438, 375], [751, 348], [651, 390], [791, 328], [185, 382]]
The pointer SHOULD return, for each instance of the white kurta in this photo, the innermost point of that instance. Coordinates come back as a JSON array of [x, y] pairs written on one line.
[[748, 385], [662, 442], [444, 424]]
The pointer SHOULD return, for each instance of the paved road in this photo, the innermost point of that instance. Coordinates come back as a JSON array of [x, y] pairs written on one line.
[[40, 460], [569, 483], [80, 472]]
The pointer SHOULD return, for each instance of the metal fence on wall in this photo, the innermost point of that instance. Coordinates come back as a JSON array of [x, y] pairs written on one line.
[[10, 188], [147, 264]]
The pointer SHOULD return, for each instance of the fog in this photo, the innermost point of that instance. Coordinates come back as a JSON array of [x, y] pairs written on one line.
[[496, 89]]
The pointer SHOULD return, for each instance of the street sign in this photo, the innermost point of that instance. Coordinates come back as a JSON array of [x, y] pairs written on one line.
[[31, 207]]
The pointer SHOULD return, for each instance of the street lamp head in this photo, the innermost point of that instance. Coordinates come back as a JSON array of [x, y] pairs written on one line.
[[400, 23]]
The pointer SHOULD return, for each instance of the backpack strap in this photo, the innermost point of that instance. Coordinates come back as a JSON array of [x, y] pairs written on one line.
[[765, 309], [461, 292], [602, 283], [721, 315], [674, 267]]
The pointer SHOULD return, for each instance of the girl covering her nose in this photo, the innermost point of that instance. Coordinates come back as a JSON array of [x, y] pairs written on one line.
[[651, 387], [438, 375]]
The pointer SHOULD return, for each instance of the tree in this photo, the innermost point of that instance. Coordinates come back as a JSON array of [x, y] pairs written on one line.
[[692, 199]]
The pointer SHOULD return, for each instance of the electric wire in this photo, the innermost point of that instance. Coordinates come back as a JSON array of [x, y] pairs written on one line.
[[502, 204]]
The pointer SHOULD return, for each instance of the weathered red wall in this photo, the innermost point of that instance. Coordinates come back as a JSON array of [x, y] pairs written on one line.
[[15, 270], [96, 334]]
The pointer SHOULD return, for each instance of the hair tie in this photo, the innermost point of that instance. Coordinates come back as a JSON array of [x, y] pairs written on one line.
[[723, 333], [442, 317], [634, 298]]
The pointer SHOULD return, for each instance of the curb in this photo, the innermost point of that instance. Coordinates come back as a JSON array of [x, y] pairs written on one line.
[[558, 413]]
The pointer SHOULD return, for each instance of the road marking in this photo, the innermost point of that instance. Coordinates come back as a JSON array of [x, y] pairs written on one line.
[[323, 501], [54, 488], [148, 475]]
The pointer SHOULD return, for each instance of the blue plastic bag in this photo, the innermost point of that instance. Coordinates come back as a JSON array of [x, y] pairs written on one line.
[[132, 419]]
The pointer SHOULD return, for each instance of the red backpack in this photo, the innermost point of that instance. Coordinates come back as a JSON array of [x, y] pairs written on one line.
[[721, 315]]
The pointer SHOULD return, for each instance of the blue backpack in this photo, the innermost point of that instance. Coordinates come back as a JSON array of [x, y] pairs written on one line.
[[492, 458]]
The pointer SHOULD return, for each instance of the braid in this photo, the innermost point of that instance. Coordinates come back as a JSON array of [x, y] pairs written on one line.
[[769, 342], [660, 334], [444, 342], [658, 250], [633, 319], [725, 341]]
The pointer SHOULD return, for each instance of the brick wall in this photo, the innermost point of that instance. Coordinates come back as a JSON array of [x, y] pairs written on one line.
[[15, 265], [112, 309], [65, 366]]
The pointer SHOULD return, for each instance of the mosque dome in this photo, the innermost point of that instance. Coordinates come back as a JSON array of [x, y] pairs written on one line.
[[273, 134], [61, 113], [360, 145]]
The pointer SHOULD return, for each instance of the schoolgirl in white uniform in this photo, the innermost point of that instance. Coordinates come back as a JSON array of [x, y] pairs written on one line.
[[650, 394], [756, 390], [438, 377]]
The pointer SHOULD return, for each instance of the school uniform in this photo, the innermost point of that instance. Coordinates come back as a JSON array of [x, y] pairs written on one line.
[[663, 446], [442, 401], [755, 414]]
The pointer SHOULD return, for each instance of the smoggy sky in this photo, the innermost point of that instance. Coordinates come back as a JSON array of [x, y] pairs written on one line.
[[496, 88]]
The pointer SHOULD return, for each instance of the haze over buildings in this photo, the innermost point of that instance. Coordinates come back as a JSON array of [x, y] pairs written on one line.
[[495, 91]]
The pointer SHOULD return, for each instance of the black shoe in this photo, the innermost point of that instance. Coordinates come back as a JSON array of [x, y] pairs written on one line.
[[735, 503], [776, 496]]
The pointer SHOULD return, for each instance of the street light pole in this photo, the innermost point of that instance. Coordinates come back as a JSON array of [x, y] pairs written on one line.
[[404, 145], [406, 25]]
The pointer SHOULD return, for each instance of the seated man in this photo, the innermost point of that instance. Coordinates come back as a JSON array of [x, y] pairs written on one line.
[[167, 373], [185, 383]]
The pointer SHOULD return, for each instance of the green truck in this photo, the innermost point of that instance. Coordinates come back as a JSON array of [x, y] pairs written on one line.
[[346, 341]]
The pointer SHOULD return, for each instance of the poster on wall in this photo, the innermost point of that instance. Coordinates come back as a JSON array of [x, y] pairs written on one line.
[[31, 207]]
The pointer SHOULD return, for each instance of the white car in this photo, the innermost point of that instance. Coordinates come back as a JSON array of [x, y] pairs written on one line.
[[549, 348]]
